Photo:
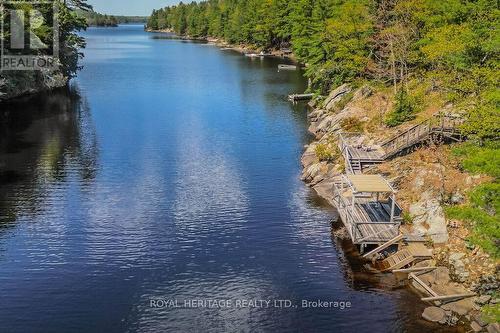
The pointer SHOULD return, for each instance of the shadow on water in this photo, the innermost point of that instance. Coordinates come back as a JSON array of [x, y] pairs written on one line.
[[40, 136]]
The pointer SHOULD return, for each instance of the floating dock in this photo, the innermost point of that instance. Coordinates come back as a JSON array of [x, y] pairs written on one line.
[[287, 67], [300, 97]]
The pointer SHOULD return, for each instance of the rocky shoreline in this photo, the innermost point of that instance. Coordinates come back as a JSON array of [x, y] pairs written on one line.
[[242, 48], [23, 83], [459, 270]]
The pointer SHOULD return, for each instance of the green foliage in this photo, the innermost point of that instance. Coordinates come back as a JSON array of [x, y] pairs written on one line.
[[483, 159], [404, 110], [324, 153], [407, 218], [482, 215], [102, 20], [70, 42], [491, 313], [484, 201]]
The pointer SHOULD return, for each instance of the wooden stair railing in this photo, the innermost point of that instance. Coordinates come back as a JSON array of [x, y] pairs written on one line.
[[446, 125]]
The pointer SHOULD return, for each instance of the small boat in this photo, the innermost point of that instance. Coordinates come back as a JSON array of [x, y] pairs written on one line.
[[287, 67], [257, 55]]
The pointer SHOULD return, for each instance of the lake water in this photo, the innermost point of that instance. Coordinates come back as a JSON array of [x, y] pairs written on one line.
[[170, 171]]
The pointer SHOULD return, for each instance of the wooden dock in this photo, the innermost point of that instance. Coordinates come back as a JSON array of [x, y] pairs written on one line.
[[359, 199], [368, 218], [300, 97], [287, 67]]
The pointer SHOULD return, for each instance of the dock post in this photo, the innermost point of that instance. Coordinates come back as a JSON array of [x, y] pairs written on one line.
[[393, 204]]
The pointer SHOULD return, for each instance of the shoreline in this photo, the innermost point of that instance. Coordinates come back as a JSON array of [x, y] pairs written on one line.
[[32, 83], [325, 121], [219, 42]]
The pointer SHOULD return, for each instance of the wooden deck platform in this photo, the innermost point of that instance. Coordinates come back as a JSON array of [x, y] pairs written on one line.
[[300, 97], [367, 221], [364, 153], [357, 156]]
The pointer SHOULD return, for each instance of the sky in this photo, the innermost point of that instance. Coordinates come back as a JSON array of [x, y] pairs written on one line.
[[129, 7]]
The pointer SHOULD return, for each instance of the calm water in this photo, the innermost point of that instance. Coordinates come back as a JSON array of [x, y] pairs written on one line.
[[170, 170]]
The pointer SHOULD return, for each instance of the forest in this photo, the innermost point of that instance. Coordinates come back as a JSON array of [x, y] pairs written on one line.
[[96, 19], [99, 20]]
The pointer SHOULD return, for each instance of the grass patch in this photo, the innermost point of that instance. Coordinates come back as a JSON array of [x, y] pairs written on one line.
[[351, 124], [481, 214], [479, 159], [491, 313]]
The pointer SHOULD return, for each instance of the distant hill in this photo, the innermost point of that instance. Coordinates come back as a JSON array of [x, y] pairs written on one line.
[[96, 19]]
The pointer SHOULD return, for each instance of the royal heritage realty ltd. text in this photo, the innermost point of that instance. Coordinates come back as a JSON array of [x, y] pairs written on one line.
[[164, 303]]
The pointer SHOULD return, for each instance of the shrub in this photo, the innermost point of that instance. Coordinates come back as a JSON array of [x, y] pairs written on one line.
[[351, 124], [491, 313], [479, 159], [404, 110], [324, 153], [482, 216], [407, 218]]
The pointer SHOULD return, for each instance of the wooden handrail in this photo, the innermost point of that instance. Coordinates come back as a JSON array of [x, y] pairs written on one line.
[[423, 129]]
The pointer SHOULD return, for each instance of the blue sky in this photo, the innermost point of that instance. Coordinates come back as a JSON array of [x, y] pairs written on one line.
[[129, 7]]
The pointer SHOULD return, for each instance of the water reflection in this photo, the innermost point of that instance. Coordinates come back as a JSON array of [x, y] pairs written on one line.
[[40, 136]]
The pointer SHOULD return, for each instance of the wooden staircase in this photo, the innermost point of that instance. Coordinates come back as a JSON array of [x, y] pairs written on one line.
[[396, 261], [384, 246], [437, 126], [441, 125], [355, 166]]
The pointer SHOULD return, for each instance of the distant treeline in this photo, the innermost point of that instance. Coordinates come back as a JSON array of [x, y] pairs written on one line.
[[451, 46], [103, 20]]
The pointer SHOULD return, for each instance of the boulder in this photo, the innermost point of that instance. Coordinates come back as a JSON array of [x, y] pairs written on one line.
[[457, 198], [363, 92], [434, 314], [493, 328], [428, 217], [441, 275], [483, 299], [336, 95], [461, 307], [316, 114], [476, 327], [309, 157], [325, 125], [479, 319]]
